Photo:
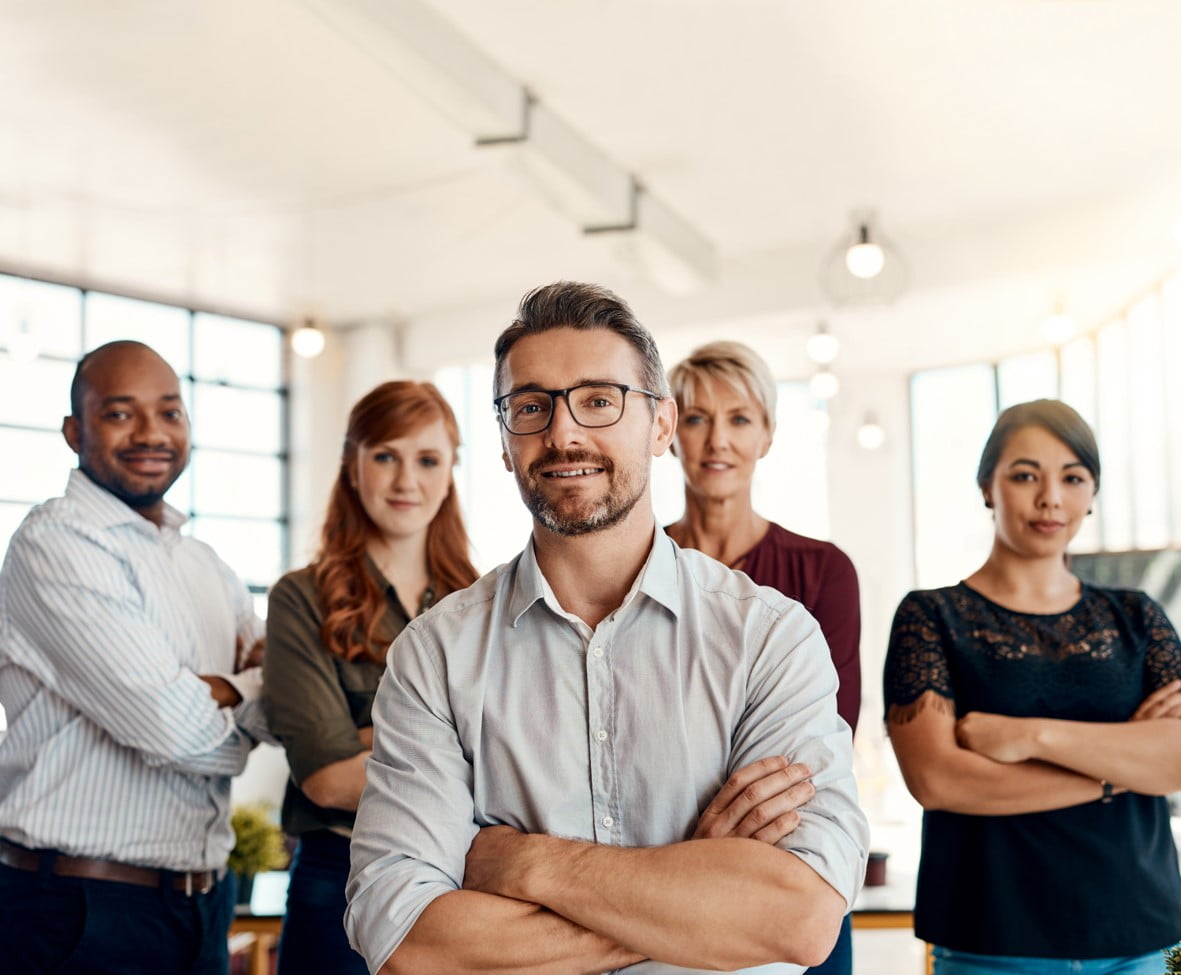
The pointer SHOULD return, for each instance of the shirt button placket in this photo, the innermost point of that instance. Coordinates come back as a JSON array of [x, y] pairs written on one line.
[[598, 680]]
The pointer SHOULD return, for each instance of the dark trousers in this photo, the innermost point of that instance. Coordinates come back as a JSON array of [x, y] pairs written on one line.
[[313, 941], [840, 962], [54, 924]]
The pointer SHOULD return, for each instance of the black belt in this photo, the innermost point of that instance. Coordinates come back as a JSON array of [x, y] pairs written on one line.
[[64, 865]]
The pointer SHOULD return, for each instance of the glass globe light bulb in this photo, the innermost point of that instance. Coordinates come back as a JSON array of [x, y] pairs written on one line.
[[1059, 328], [865, 260], [823, 347], [307, 341], [824, 385], [871, 435]]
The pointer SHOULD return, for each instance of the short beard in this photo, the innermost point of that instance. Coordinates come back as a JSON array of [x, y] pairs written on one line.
[[135, 501], [609, 511]]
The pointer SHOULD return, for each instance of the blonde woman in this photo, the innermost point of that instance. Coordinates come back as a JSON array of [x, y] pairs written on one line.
[[726, 398]]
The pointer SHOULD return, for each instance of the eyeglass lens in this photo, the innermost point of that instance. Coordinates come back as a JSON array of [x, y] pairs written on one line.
[[591, 406]]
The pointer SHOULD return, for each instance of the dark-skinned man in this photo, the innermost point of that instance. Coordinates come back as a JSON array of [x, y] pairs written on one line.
[[124, 648]]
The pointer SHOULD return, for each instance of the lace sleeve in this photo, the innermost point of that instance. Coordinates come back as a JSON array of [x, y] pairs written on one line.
[[916, 661], [1163, 659]]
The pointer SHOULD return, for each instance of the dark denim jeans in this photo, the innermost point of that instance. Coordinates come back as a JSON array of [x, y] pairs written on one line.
[[98, 927], [313, 941]]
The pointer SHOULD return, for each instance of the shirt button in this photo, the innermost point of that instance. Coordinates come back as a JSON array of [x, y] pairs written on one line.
[[597, 651], [608, 821], [601, 735]]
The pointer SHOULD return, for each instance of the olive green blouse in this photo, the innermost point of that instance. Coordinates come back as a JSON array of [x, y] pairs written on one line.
[[314, 700]]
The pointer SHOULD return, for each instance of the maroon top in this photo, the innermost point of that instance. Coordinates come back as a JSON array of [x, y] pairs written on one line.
[[819, 575]]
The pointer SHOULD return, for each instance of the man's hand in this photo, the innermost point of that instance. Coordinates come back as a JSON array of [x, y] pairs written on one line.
[[997, 736], [248, 656], [366, 736], [1164, 702], [222, 690], [759, 801], [492, 859]]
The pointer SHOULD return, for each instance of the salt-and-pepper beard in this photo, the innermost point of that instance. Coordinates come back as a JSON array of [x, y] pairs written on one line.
[[609, 509]]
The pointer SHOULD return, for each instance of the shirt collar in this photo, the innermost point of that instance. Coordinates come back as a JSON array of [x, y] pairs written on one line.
[[108, 511], [391, 594], [657, 579]]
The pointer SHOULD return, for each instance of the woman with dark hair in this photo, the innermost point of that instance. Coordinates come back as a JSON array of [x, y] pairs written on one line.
[[392, 544], [1034, 717], [725, 397]]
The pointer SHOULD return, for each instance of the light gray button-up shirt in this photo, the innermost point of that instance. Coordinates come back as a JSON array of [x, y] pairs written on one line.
[[500, 708]]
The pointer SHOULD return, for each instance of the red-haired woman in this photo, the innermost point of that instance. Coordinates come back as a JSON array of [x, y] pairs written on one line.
[[393, 543]]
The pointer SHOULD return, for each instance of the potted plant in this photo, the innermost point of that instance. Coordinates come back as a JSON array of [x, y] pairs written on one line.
[[258, 845], [1173, 960]]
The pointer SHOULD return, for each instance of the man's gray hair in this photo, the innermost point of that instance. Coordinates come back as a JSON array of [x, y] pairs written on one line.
[[570, 304]]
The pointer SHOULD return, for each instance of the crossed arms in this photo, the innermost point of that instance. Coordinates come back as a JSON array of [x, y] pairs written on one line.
[[431, 891], [91, 642], [992, 764], [725, 899]]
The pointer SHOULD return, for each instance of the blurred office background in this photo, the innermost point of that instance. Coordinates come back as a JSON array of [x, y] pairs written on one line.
[[391, 175]]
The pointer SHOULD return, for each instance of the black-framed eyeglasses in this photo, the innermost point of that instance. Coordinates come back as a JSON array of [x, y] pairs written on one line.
[[590, 404]]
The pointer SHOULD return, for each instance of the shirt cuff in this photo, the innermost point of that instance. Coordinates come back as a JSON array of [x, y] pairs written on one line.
[[248, 683], [249, 717]]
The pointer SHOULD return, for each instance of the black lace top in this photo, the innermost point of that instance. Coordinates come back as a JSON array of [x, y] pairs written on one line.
[[1090, 881]]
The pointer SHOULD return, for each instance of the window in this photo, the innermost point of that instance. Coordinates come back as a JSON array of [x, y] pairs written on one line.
[[232, 379], [1117, 380], [951, 412]]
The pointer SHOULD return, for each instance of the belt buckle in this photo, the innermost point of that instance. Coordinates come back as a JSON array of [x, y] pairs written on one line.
[[206, 883]]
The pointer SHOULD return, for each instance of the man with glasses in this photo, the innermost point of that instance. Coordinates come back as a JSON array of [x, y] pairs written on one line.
[[581, 762]]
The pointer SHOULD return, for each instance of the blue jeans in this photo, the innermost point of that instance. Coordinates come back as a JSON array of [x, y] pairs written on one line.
[[948, 962], [99, 927], [840, 960], [313, 941]]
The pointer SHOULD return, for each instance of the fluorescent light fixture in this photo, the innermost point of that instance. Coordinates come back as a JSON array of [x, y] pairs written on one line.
[[430, 56], [453, 74], [573, 173], [669, 249]]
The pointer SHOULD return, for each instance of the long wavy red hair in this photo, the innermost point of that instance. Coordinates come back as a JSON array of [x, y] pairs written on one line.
[[353, 602]]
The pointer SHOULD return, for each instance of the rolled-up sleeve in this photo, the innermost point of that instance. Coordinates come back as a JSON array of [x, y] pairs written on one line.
[[415, 821], [86, 636], [792, 711]]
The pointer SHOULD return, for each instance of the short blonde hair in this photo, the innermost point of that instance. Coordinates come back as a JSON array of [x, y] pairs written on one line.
[[735, 364]]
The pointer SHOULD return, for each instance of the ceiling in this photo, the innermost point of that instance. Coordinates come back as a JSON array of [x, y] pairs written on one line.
[[250, 158]]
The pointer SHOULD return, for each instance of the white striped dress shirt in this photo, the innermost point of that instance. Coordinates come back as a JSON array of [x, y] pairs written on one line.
[[115, 748]]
